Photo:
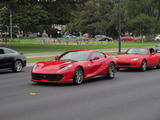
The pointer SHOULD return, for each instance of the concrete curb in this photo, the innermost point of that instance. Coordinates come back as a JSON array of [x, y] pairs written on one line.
[[30, 64]]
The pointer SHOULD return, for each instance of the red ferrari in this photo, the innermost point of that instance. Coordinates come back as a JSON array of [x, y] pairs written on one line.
[[75, 66], [141, 58]]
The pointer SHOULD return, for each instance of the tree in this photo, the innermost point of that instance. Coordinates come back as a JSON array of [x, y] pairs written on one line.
[[141, 25], [3, 15], [134, 8], [36, 15], [95, 17]]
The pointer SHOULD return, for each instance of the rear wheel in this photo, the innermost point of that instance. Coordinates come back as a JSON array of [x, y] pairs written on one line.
[[144, 66], [111, 70], [78, 76], [17, 66]]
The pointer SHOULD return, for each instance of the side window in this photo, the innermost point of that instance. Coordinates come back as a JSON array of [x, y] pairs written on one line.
[[151, 50], [100, 55], [9, 51], [1, 51]]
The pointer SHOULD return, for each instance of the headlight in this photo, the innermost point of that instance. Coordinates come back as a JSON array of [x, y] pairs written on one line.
[[134, 59], [37, 65], [65, 68], [115, 58]]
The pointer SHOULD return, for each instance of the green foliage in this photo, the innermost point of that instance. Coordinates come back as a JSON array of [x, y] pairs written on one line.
[[31, 18], [92, 16], [145, 15], [95, 17], [37, 15], [3, 15], [141, 25]]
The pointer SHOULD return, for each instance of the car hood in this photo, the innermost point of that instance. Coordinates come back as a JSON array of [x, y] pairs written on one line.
[[129, 56], [51, 66]]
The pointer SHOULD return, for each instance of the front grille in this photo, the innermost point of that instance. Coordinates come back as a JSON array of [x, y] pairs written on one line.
[[124, 64], [50, 77]]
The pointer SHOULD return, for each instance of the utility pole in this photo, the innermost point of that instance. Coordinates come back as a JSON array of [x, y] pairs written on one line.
[[119, 26], [11, 26]]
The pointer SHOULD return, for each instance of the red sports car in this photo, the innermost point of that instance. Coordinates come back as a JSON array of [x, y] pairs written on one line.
[[138, 58], [75, 66], [129, 38]]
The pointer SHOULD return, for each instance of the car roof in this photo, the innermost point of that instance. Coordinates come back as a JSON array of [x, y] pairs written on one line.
[[2, 48], [84, 50], [9, 49], [141, 47], [5, 48]]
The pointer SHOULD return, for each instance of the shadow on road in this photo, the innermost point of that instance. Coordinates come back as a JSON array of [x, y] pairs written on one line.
[[8, 71], [5, 71], [135, 70], [88, 81]]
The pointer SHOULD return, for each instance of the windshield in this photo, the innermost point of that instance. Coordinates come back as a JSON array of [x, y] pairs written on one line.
[[158, 45], [75, 56], [137, 51]]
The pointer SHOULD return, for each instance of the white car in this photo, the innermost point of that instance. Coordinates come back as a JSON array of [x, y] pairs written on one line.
[[157, 38]]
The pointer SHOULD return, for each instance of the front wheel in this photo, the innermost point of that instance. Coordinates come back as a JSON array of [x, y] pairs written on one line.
[[78, 76], [118, 68], [17, 66], [144, 66], [111, 71]]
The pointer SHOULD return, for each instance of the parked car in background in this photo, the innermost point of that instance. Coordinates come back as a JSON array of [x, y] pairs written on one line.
[[11, 59], [157, 38], [103, 38], [140, 58], [74, 66], [128, 38]]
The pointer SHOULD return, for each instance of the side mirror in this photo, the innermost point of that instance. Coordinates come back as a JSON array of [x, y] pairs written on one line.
[[157, 51], [96, 58], [56, 57], [152, 53]]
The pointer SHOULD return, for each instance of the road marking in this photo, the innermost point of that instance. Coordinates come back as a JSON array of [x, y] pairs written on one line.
[[33, 93]]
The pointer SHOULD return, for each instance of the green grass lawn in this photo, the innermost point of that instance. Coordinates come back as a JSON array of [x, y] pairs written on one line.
[[37, 59], [34, 46]]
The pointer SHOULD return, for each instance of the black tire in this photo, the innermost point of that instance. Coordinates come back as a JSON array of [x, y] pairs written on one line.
[[118, 68], [111, 71], [17, 67], [78, 76], [158, 66], [143, 66]]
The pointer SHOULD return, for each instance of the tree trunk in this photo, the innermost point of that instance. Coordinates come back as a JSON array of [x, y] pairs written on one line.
[[11, 26]]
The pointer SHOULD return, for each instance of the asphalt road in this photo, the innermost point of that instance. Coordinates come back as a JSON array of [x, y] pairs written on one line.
[[130, 96]]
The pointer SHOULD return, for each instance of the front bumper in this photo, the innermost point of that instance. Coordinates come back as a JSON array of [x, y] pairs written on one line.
[[128, 64], [52, 78]]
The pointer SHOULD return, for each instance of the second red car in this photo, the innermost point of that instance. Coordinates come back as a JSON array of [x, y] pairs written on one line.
[[141, 58]]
